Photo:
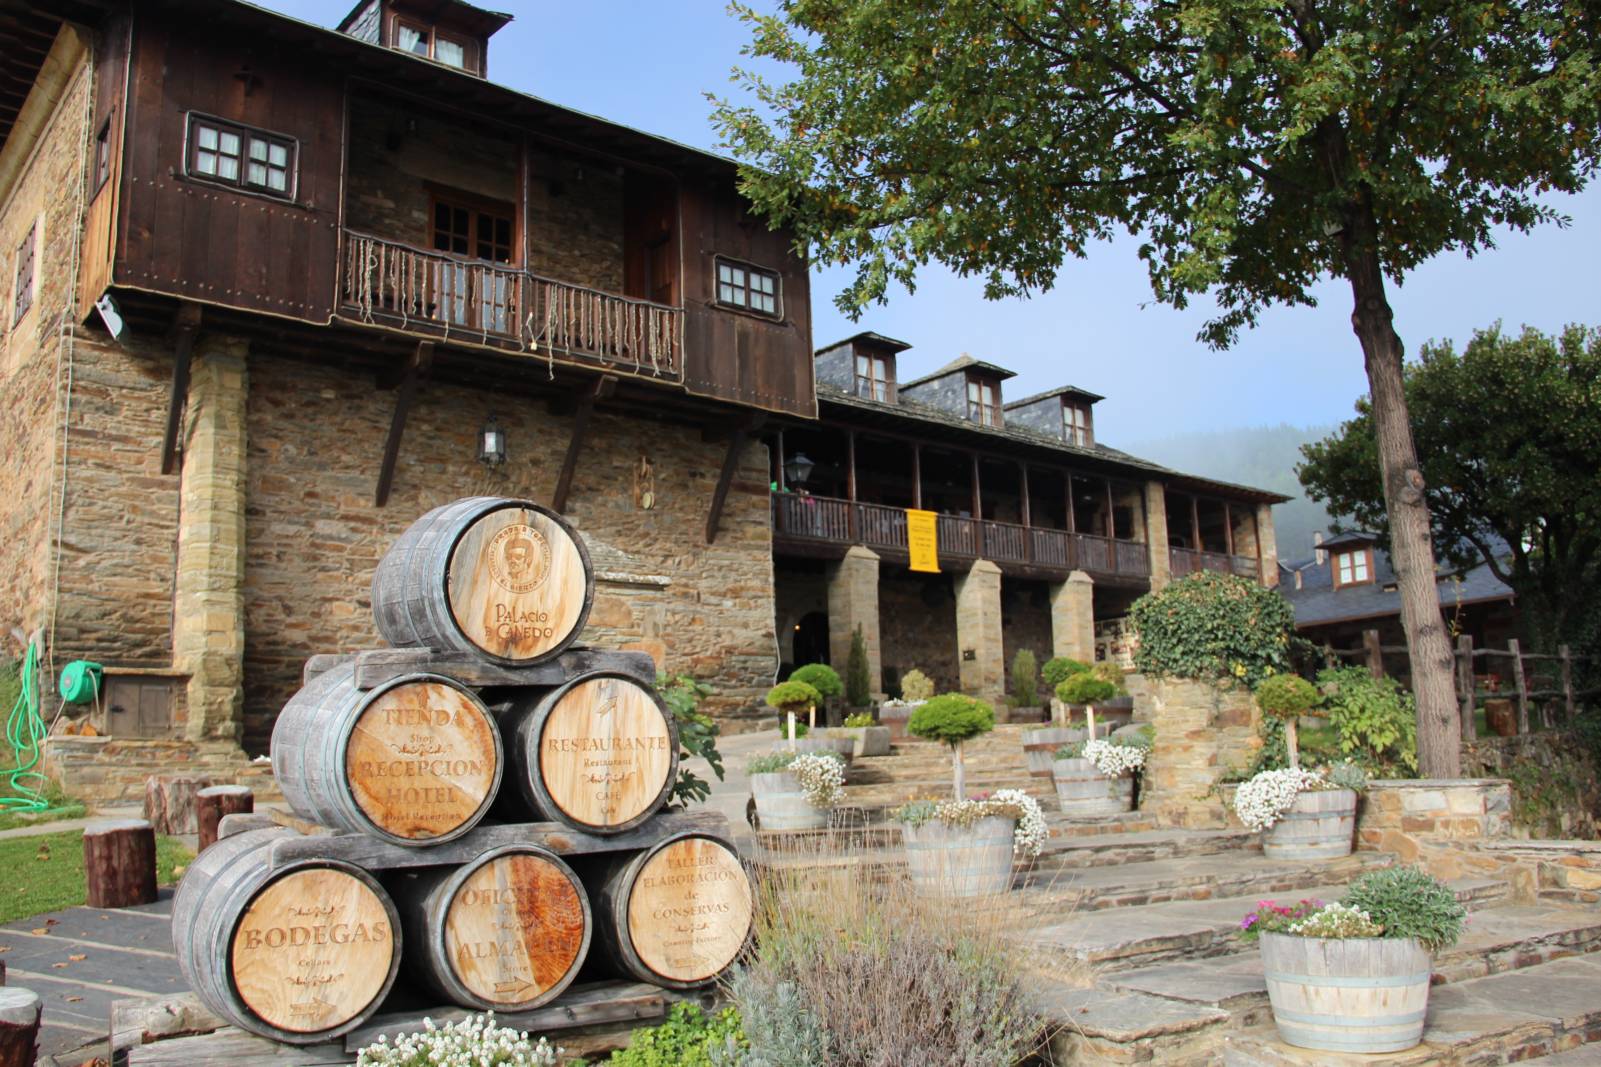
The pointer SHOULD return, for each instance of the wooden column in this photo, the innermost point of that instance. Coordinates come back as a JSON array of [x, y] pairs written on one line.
[[1028, 536], [1464, 662], [214, 803], [917, 476], [119, 863], [1072, 524], [851, 524], [188, 327], [978, 510], [1521, 682], [1375, 654], [1228, 532], [1195, 522], [1111, 531], [782, 487]]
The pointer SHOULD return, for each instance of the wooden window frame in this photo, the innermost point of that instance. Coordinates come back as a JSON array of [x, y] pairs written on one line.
[[471, 61], [103, 155], [866, 383], [980, 411], [476, 205], [1071, 430], [24, 285], [196, 120], [721, 262], [1366, 555]]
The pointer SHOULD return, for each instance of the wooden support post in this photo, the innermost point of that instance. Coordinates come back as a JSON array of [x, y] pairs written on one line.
[[1521, 682], [604, 387], [421, 359], [782, 486], [1195, 523], [851, 523], [1022, 470], [1228, 531], [19, 1027], [170, 802], [1328, 656], [1465, 685], [213, 803], [1570, 707], [736, 445], [119, 863], [978, 510], [917, 476], [188, 327], [1111, 530], [1072, 525], [1375, 653]]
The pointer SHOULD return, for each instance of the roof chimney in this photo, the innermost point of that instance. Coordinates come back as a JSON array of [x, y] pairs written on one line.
[[1322, 556]]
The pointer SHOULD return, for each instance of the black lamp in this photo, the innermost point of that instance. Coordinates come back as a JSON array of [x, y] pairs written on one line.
[[797, 469], [492, 443]]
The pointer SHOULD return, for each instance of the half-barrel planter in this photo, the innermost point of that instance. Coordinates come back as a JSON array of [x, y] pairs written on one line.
[[1347, 995], [960, 861], [1081, 789], [1320, 825]]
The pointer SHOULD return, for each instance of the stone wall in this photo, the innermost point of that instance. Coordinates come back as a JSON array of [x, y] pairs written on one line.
[[1396, 811], [1202, 733], [1025, 622], [1555, 789], [111, 771], [917, 625]]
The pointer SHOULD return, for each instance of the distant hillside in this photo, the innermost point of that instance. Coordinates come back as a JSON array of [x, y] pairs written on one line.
[[1261, 456]]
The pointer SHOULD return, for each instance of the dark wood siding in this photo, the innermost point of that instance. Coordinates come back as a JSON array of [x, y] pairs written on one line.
[[110, 109], [205, 242], [732, 355]]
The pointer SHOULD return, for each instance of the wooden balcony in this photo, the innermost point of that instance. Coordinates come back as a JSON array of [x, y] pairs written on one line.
[[443, 296], [828, 521], [1188, 561]]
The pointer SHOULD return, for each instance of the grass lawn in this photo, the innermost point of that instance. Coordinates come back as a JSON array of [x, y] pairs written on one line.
[[45, 872]]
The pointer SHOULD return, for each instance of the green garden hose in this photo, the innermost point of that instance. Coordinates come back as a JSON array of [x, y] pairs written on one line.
[[25, 732]]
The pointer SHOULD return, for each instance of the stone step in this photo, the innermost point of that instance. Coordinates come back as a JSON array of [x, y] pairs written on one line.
[[1583, 1056], [1503, 1018], [1073, 844]]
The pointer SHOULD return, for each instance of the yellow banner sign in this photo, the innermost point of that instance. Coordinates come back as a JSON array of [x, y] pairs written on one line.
[[922, 540]]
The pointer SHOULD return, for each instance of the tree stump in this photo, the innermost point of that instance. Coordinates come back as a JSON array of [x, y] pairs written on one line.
[[119, 863], [170, 802], [19, 1027], [213, 802]]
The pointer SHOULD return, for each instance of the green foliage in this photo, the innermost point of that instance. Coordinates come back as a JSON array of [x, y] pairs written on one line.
[[1274, 918], [1409, 902], [1212, 626], [821, 677], [1060, 669], [1025, 679], [859, 719], [793, 697], [858, 684], [1085, 688], [1375, 719], [770, 762], [915, 685], [686, 1039], [1287, 696], [1507, 434], [697, 735], [951, 718], [48, 870], [1347, 775], [1111, 673]]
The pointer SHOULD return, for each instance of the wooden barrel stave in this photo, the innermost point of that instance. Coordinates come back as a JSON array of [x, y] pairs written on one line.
[[1321, 825], [1081, 789], [960, 861], [599, 754], [426, 775], [677, 915], [780, 804], [1362, 995], [1039, 747], [506, 580], [510, 950], [230, 895]]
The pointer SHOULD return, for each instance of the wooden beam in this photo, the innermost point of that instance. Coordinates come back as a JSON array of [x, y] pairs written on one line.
[[421, 359], [1195, 523], [783, 487], [604, 386], [736, 444], [187, 327], [917, 476], [1022, 469], [1228, 527], [1072, 525]]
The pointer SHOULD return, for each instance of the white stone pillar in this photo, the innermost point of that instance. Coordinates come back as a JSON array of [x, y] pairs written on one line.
[[1267, 545], [1073, 618], [981, 663], [1156, 535], [852, 602]]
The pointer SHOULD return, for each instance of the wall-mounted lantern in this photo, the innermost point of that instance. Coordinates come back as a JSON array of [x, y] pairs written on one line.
[[797, 469], [492, 443]]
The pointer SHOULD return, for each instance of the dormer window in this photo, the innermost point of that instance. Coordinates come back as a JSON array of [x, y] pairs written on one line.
[[984, 401], [1353, 567], [873, 377], [1076, 424], [429, 42]]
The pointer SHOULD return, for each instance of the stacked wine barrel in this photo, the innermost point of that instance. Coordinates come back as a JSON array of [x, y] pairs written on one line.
[[495, 826]]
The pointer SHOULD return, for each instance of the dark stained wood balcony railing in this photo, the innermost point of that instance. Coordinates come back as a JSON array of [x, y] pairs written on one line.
[[1006, 542], [880, 527], [397, 284], [1188, 561], [1052, 548], [957, 536]]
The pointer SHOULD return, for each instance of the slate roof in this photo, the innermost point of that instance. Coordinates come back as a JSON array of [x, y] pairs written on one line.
[[1318, 603], [961, 363], [870, 336], [1061, 390]]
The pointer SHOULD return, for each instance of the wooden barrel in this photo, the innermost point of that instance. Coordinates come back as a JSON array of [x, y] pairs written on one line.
[[599, 754], [1354, 995], [676, 915], [1039, 747], [780, 804], [896, 716], [415, 761], [504, 579], [1081, 789], [960, 861], [300, 954], [506, 932], [1320, 825]]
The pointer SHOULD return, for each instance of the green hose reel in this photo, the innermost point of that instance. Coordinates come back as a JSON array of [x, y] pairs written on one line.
[[81, 681]]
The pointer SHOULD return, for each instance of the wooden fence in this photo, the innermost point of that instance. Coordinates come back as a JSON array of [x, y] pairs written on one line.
[[1540, 681]]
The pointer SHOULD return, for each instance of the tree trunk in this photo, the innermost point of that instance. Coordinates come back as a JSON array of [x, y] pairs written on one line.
[[1411, 545], [959, 771], [119, 863], [215, 802]]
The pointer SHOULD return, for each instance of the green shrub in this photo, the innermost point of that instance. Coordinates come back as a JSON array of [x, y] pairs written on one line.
[[951, 718], [821, 677], [697, 735], [1110, 672], [1025, 679], [686, 1039], [1287, 696], [1212, 626], [858, 685], [770, 762], [1060, 669], [1085, 688], [1409, 902], [861, 718], [1375, 719], [915, 686], [793, 697]]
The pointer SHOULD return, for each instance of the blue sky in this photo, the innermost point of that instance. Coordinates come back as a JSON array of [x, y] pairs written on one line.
[[649, 64]]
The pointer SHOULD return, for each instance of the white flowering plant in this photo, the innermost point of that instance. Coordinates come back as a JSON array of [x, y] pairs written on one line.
[[1028, 838], [821, 774], [473, 1042], [1115, 760], [1262, 799], [1337, 921]]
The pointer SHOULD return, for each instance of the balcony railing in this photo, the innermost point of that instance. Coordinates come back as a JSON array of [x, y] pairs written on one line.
[[1188, 561], [386, 281]]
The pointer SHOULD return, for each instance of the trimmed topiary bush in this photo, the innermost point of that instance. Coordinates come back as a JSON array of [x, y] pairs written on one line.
[[1060, 669], [1287, 696], [793, 697], [1025, 679], [1212, 627], [821, 677], [1085, 688], [952, 718], [858, 685], [915, 686]]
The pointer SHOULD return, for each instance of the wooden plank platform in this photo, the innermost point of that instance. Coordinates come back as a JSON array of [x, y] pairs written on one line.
[[376, 666]]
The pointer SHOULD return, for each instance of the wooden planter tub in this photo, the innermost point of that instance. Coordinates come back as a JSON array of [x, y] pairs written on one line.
[[960, 861], [1362, 995], [1320, 825], [1081, 789]]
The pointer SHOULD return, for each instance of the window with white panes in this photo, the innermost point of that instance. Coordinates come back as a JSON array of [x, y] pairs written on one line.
[[872, 377], [1075, 424], [429, 43], [1353, 568], [984, 401], [747, 287], [236, 155]]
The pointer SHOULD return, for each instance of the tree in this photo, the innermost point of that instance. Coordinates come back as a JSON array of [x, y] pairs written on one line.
[[1256, 148], [858, 680], [1509, 431]]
